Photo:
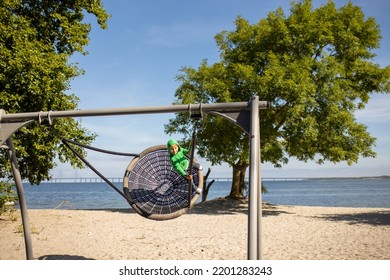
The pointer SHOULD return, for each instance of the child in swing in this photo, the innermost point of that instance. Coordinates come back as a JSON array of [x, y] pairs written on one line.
[[179, 160]]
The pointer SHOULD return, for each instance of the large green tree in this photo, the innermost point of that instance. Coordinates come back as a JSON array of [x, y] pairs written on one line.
[[37, 40], [315, 67]]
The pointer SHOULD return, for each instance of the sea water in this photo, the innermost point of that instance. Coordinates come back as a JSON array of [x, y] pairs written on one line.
[[352, 192], [359, 192]]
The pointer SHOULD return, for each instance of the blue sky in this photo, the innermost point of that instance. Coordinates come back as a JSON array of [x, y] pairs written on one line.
[[134, 63]]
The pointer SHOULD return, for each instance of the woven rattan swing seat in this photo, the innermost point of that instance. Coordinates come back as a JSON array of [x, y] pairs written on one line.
[[154, 189]]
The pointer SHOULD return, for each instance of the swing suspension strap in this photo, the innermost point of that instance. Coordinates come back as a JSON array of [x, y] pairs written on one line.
[[99, 150], [66, 143], [191, 165], [195, 116]]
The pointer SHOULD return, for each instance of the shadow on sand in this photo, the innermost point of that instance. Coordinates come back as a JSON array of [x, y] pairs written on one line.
[[218, 206], [376, 218], [228, 206], [63, 257]]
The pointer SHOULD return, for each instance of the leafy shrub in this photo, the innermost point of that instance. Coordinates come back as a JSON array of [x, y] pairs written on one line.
[[7, 196]]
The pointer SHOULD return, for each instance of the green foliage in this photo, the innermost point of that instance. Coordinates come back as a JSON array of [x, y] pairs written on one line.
[[37, 38], [7, 194], [315, 68]]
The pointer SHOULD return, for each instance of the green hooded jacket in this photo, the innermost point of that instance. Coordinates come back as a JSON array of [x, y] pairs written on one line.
[[179, 161]]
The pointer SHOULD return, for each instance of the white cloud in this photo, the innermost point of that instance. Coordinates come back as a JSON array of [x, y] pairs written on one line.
[[376, 111], [180, 33]]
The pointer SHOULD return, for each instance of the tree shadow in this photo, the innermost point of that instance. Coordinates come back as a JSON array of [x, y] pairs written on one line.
[[229, 206], [220, 206], [377, 218], [217, 206], [63, 257]]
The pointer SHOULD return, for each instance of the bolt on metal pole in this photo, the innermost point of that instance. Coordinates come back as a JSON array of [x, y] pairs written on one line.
[[22, 199]]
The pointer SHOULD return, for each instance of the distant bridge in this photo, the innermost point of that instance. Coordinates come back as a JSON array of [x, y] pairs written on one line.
[[83, 180], [217, 179], [120, 180]]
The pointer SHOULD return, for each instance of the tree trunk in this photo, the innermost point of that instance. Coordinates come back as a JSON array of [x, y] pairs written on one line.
[[206, 186], [238, 183]]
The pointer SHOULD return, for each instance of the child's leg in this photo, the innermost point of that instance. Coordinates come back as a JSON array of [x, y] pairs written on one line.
[[196, 165], [198, 190]]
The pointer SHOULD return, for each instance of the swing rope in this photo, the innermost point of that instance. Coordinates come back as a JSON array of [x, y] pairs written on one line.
[[191, 165], [100, 150], [66, 143], [196, 117]]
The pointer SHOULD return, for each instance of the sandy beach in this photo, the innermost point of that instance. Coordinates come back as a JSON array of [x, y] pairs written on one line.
[[215, 230]]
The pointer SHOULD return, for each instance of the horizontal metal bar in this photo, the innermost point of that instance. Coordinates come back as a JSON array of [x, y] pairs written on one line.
[[222, 107]]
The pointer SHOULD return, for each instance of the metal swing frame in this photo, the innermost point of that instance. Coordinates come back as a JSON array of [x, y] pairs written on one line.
[[243, 114]]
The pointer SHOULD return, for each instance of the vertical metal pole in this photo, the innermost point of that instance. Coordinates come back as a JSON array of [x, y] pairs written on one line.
[[22, 199], [254, 207], [259, 188]]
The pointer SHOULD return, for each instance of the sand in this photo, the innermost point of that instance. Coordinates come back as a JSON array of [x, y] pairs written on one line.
[[215, 230]]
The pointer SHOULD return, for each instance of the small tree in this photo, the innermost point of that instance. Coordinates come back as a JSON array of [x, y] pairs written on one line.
[[314, 67]]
